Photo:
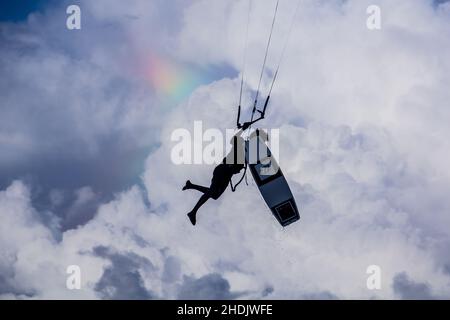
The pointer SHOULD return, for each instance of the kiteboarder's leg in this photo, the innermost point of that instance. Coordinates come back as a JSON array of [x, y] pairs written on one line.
[[213, 192], [190, 185], [219, 183], [193, 213]]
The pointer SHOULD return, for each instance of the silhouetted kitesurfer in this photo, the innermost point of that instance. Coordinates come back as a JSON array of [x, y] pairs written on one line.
[[232, 164]]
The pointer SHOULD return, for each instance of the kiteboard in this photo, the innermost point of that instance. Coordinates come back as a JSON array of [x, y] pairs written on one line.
[[270, 180]]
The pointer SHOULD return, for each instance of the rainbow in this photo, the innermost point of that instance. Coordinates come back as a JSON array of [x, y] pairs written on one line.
[[172, 81]]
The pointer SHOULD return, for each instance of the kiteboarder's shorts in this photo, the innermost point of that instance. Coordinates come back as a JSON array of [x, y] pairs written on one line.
[[219, 182]]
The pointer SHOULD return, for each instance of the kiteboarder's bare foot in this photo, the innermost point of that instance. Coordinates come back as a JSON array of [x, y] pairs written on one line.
[[187, 185], [191, 216]]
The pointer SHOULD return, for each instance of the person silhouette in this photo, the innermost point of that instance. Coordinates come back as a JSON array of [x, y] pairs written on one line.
[[232, 164]]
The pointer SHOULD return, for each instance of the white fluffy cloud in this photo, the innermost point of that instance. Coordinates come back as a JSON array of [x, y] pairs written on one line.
[[362, 116]]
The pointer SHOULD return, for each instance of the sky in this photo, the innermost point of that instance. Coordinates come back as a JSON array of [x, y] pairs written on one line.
[[86, 179], [19, 11]]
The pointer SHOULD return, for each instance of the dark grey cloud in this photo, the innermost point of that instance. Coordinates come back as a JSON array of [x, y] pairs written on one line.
[[438, 2], [408, 289], [9, 286], [212, 286], [5, 281], [122, 280], [172, 270], [267, 291], [65, 97], [6, 288], [324, 295], [447, 269], [75, 110]]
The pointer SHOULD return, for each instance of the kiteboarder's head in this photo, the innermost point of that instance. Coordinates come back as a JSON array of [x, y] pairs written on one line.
[[236, 155]]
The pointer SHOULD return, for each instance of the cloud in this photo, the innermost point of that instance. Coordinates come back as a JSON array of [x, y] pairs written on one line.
[[122, 279], [78, 106], [320, 296], [82, 209], [409, 290], [211, 286], [76, 110], [363, 143], [20, 231]]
